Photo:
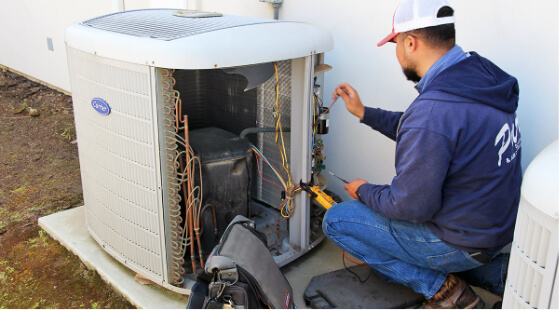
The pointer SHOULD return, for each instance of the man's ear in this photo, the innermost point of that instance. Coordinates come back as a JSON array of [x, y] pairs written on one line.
[[410, 43]]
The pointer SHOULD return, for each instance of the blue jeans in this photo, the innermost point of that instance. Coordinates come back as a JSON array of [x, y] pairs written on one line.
[[398, 251]]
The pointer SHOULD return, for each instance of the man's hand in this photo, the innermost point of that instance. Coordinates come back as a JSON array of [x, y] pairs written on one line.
[[351, 98], [353, 186]]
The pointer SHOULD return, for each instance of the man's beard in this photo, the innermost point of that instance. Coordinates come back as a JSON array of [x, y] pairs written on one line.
[[411, 75]]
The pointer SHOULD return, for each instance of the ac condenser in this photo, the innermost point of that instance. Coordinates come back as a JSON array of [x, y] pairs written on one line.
[[186, 119]]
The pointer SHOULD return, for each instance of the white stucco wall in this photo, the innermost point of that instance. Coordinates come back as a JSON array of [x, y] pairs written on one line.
[[25, 27], [518, 35]]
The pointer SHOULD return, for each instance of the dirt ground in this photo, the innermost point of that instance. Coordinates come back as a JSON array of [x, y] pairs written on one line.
[[39, 175]]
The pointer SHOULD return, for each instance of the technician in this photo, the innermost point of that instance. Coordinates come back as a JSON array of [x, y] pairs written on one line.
[[451, 208]]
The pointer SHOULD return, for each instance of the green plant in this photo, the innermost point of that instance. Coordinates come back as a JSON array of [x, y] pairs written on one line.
[[24, 107], [43, 237], [20, 190], [67, 134]]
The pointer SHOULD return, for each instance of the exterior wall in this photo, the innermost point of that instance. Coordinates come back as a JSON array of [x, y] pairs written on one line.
[[519, 36], [26, 27]]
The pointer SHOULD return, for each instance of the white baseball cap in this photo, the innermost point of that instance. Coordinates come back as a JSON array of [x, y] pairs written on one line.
[[417, 14]]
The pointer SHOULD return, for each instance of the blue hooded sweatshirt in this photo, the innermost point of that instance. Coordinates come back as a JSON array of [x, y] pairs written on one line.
[[457, 157]]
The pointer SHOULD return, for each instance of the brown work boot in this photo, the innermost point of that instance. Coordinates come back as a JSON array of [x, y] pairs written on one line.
[[455, 293]]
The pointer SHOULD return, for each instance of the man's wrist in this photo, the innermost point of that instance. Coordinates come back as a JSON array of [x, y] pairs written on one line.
[[367, 114], [361, 113], [357, 194]]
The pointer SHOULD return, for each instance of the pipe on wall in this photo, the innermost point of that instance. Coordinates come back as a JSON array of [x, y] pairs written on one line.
[[118, 6]]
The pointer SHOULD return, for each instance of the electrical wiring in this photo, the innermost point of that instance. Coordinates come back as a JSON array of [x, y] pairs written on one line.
[[260, 173], [287, 205], [317, 107], [344, 257], [279, 130], [356, 263], [316, 112], [274, 169], [327, 110]]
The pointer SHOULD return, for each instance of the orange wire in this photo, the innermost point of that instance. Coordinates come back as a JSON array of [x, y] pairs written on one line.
[[360, 264]]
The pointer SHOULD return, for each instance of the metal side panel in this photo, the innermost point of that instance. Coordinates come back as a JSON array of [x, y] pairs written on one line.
[[119, 161], [301, 145]]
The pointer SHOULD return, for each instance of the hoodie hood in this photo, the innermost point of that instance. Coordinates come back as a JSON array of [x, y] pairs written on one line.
[[478, 79]]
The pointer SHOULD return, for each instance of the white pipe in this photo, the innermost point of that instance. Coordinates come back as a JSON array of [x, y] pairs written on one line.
[[118, 6]]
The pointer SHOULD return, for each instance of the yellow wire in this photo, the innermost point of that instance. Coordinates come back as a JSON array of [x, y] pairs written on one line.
[[285, 163], [287, 206]]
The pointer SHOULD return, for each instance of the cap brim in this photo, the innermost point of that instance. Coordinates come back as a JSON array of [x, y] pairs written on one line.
[[389, 38]]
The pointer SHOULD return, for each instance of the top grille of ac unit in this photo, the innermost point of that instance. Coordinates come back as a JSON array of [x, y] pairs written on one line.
[[159, 24], [159, 38]]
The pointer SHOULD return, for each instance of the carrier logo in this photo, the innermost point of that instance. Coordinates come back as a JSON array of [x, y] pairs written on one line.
[[101, 106]]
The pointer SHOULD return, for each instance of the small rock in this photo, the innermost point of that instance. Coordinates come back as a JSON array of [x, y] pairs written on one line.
[[34, 112], [33, 91], [25, 85]]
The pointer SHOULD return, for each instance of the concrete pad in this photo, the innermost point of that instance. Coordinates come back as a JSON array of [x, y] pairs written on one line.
[[68, 227]]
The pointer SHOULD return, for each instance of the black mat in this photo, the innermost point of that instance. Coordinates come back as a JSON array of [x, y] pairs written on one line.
[[342, 289]]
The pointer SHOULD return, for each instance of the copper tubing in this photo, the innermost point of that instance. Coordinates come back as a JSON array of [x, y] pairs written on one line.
[[187, 190], [173, 186], [202, 217], [194, 215], [188, 215], [199, 230]]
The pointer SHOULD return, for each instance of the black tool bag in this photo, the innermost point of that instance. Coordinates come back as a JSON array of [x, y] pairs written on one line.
[[241, 273]]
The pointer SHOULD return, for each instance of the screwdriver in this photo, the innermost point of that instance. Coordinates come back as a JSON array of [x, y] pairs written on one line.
[[345, 181]]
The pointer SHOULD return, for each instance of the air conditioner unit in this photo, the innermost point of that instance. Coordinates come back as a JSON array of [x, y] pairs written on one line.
[[532, 281], [184, 120]]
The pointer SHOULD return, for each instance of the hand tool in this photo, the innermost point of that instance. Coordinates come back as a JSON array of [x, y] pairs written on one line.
[[343, 180], [317, 194]]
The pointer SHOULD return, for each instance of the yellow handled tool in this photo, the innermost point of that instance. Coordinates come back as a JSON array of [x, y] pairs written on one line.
[[318, 195]]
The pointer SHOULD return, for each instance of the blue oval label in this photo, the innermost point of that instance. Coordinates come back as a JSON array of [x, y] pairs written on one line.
[[101, 106]]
